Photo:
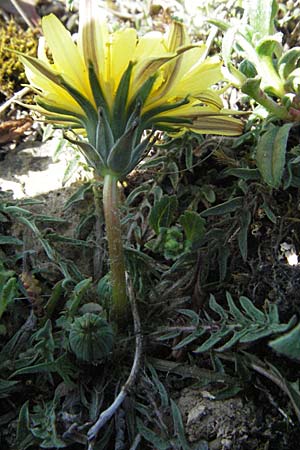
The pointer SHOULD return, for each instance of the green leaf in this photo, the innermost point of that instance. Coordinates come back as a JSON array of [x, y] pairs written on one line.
[[190, 338], [222, 24], [61, 365], [78, 292], [288, 344], [45, 218], [213, 340], [193, 225], [189, 157], [178, 426], [8, 294], [288, 62], [168, 335], [251, 310], [142, 189], [224, 208], [238, 325], [248, 69], [96, 89], [234, 310], [17, 211], [208, 193], [269, 46], [237, 336], [272, 313], [191, 315], [4, 240], [51, 440], [150, 436], [162, 212], [257, 333], [164, 398], [53, 237], [172, 170], [137, 154], [92, 157], [143, 93], [3, 218], [23, 427], [6, 387], [217, 308], [223, 255], [245, 220], [70, 170], [90, 112], [79, 195], [245, 174], [271, 153], [269, 213], [56, 294]]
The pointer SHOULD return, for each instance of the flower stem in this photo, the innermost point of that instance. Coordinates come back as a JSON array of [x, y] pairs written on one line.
[[115, 247]]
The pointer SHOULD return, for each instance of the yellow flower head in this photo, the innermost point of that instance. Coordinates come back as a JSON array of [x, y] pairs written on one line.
[[116, 85]]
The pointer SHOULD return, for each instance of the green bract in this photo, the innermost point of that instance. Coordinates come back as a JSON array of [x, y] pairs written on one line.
[[91, 337]]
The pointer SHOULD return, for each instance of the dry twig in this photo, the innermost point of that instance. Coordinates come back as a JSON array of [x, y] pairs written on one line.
[[106, 415]]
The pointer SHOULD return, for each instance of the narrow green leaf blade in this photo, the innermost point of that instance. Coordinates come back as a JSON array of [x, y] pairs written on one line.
[[271, 153], [178, 426], [217, 308], [255, 314], [212, 340], [150, 436], [224, 208], [288, 344], [245, 220], [162, 212], [10, 240], [234, 310], [79, 195]]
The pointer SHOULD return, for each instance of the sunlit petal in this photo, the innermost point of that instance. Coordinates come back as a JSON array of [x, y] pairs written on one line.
[[122, 51], [65, 54], [177, 38], [46, 81]]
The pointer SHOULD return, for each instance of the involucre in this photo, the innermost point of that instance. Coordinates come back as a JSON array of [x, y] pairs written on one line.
[[91, 337]]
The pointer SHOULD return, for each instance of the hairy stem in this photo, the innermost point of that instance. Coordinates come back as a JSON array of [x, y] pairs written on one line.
[[115, 247], [98, 254]]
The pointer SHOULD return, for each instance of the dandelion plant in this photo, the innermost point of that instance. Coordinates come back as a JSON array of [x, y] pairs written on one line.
[[111, 87]]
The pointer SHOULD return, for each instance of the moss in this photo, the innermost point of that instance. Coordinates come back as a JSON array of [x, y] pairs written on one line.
[[14, 37]]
